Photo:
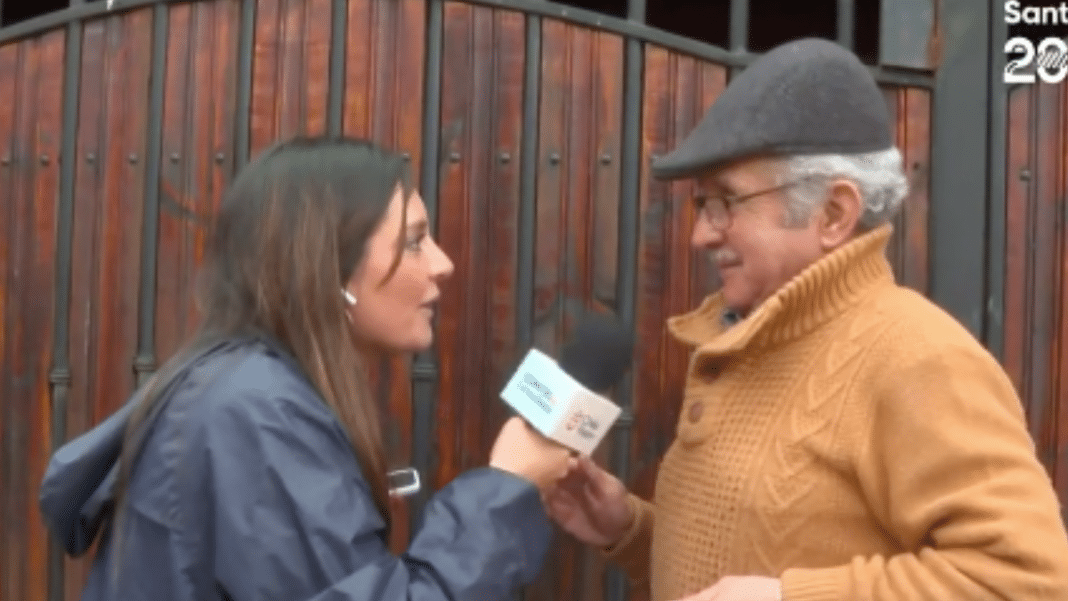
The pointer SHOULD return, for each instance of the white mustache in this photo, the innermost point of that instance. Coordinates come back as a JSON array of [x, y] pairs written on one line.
[[725, 255]]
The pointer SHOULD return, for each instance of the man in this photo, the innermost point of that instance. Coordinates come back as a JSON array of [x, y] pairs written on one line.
[[841, 437]]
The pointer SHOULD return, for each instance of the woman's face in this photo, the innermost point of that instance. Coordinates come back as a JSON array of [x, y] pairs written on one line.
[[396, 314]]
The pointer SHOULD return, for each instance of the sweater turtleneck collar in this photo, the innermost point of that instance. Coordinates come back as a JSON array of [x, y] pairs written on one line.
[[821, 291]]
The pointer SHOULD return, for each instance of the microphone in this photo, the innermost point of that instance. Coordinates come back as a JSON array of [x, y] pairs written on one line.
[[563, 401]]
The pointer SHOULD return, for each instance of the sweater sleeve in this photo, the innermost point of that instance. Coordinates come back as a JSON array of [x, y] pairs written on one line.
[[950, 472], [632, 551]]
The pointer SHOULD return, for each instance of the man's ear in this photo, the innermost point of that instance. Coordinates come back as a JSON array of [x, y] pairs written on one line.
[[840, 214]]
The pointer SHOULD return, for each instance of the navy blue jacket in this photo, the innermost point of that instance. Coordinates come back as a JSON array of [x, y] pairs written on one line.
[[248, 490]]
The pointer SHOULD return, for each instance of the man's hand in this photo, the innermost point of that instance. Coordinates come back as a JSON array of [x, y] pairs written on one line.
[[740, 588], [590, 503]]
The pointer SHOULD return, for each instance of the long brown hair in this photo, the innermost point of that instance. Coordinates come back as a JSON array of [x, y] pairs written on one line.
[[290, 232]]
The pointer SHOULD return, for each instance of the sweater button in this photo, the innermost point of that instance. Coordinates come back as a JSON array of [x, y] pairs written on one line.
[[695, 412]]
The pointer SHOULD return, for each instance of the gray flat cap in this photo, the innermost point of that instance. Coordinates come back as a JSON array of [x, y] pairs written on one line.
[[808, 96]]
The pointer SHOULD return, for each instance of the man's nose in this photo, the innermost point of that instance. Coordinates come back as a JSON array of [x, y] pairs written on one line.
[[704, 235]]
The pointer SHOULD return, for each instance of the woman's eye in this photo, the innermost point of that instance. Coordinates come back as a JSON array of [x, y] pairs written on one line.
[[416, 243]]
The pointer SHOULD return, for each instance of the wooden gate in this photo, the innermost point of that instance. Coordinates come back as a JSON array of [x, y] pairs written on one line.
[[530, 126]]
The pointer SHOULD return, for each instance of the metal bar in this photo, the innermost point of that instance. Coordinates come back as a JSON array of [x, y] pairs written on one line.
[[627, 281], [636, 10], [959, 161], [846, 22], [555, 10], [739, 29], [338, 46], [994, 326], [528, 185], [425, 369], [243, 117], [145, 363], [49, 21], [60, 374]]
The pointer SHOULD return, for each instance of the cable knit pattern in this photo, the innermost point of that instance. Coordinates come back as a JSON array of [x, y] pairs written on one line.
[[853, 439]]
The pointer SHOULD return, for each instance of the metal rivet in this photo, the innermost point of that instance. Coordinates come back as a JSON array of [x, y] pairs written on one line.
[[132, 158], [5, 161], [454, 157], [554, 158], [219, 158], [653, 157], [505, 157], [45, 160], [1025, 174], [90, 158], [406, 156], [606, 159], [175, 157]]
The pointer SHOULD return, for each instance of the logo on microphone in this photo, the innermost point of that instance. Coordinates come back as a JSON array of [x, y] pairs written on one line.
[[538, 392], [584, 422]]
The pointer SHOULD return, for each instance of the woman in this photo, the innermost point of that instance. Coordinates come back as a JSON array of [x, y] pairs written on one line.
[[252, 466]]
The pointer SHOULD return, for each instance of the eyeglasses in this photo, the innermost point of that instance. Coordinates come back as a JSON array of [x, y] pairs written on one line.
[[717, 209]]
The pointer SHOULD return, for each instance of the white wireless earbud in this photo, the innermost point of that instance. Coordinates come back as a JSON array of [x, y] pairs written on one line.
[[349, 297]]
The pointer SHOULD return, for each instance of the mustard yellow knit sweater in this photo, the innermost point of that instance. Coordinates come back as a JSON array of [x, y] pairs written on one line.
[[852, 439]]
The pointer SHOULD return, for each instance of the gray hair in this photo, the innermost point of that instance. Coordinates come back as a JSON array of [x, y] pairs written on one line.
[[878, 175]]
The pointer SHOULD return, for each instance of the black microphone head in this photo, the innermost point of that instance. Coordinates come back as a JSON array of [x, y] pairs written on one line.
[[599, 352]]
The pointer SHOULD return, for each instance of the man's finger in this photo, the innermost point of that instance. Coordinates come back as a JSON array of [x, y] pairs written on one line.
[[596, 479]]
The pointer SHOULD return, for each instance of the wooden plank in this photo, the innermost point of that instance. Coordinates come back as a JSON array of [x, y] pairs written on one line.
[[1018, 157], [482, 77], [359, 68], [916, 151], [266, 94], [174, 280], [577, 219], [456, 82], [606, 109], [85, 263], [9, 81], [197, 130], [29, 310], [1046, 198], [1035, 263], [382, 101], [208, 132], [606, 84], [85, 311], [290, 70], [647, 434], [550, 248], [406, 85], [215, 115], [384, 74], [107, 225], [1059, 417], [314, 77]]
